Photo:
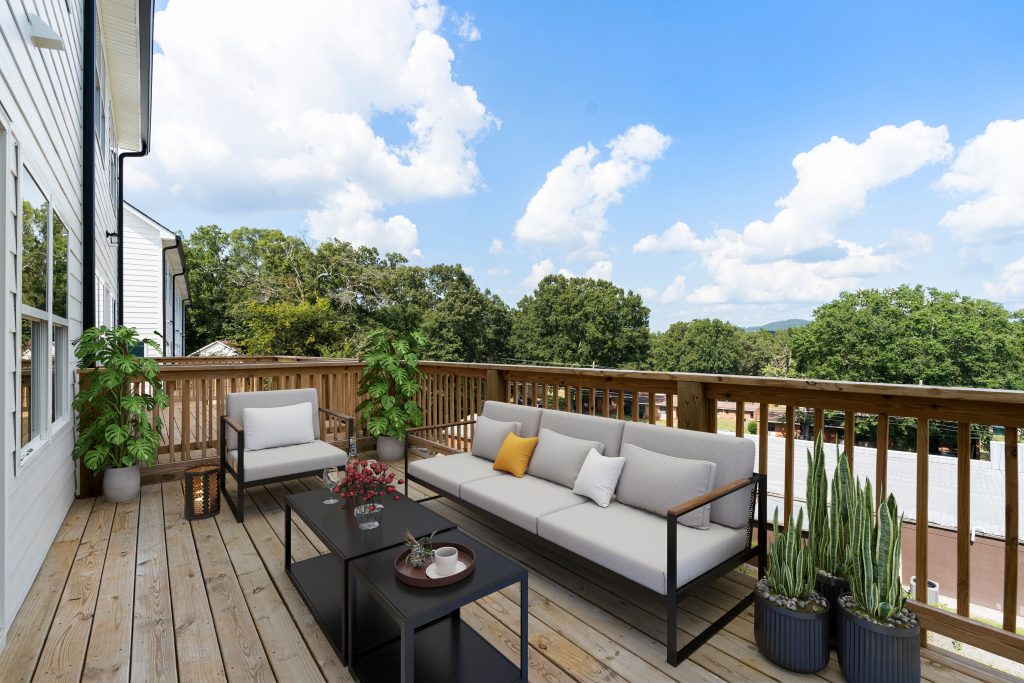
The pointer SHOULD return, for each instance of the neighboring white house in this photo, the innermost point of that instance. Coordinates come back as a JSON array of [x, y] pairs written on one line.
[[218, 348], [155, 282], [74, 97]]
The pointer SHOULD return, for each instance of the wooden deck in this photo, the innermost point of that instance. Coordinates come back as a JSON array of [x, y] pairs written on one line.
[[133, 591]]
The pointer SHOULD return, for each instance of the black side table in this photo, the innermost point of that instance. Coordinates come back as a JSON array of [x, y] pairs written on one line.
[[323, 581], [401, 633]]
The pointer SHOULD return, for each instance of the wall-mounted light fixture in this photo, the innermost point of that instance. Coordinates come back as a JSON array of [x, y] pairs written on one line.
[[112, 238], [42, 36]]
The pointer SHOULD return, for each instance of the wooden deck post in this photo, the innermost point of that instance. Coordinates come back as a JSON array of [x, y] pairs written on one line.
[[496, 386], [692, 411]]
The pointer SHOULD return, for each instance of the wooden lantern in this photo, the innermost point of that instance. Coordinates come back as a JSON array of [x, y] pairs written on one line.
[[202, 491]]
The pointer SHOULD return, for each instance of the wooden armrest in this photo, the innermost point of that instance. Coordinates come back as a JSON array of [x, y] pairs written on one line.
[[711, 496], [347, 418], [231, 423], [464, 423]]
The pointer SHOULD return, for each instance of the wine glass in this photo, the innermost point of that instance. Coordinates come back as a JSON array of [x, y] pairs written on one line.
[[331, 479]]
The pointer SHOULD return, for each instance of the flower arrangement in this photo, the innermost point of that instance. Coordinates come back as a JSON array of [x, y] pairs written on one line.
[[365, 483]]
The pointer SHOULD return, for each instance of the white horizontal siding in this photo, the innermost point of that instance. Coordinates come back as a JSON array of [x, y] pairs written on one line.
[[143, 273]]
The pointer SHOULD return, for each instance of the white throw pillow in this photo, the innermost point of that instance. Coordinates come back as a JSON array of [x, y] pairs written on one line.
[[488, 435], [598, 477], [274, 427]]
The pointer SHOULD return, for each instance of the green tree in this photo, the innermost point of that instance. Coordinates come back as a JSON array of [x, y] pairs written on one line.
[[295, 329], [580, 321], [705, 345]]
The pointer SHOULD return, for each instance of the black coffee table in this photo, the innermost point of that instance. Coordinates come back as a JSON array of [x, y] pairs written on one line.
[[323, 581], [401, 633]]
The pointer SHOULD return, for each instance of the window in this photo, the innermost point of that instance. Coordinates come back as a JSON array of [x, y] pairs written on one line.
[[45, 385]]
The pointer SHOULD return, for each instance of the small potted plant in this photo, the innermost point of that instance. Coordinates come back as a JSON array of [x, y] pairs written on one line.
[[829, 528], [879, 638], [390, 381], [790, 617], [365, 484], [118, 408], [421, 550]]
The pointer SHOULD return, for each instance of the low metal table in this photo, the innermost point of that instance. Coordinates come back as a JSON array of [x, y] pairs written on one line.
[[323, 581], [401, 633]]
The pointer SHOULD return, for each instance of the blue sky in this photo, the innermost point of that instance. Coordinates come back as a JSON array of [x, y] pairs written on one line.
[[705, 108]]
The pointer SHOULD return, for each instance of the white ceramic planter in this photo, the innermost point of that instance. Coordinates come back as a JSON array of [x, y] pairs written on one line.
[[389, 450], [121, 483]]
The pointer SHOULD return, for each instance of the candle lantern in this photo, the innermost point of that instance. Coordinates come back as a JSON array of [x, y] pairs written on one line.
[[202, 491]]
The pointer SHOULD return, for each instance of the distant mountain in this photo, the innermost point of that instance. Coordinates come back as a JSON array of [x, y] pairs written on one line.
[[779, 325]]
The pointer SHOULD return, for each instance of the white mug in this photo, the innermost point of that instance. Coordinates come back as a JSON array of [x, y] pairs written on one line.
[[446, 560]]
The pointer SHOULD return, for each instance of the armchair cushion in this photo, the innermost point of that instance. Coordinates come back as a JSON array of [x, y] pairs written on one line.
[[279, 426], [235, 403], [656, 482], [269, 463]]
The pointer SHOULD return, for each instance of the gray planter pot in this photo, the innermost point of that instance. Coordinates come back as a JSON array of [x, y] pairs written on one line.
[[873, 653], [121, 483], [389, 450], [832, 587], [797, 641]]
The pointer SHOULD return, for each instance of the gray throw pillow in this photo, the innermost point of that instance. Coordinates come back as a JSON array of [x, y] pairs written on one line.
[[558, 458], [656, 482], [488, 435]]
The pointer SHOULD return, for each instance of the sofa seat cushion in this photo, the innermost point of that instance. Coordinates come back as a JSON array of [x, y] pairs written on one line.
[[520, 501], [284, 460], [447, 473], [631, 542]]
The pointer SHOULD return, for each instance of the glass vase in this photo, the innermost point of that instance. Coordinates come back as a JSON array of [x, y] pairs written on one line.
[[368, 518]]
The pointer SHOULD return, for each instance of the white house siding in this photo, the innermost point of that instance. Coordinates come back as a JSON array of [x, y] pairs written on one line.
[[40, 118], [143, 273]]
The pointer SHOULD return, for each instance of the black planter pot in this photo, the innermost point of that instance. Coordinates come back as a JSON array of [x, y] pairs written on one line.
[[797, 641], [870, 652], [831, 587]]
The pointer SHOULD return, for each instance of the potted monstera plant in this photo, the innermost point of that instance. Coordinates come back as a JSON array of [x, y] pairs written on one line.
[[390, 381], [118, 408], [879, 638], [790, 617], [829, 528]]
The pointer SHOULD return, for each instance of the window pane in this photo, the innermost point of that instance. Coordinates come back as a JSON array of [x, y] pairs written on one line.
[[59, 374], [26, 382], [60, 267], [33, 244]]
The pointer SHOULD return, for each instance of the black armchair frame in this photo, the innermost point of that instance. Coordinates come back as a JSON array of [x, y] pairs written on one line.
[[241, 483]]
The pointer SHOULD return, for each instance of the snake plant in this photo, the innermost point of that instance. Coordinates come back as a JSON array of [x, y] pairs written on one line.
[[829, 524], [875, 583], [790, 567]]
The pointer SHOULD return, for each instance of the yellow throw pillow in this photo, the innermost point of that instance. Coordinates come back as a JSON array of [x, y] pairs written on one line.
[[514, 454]]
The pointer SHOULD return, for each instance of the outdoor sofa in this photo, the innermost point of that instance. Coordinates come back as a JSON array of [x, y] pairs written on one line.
[[297, 452], [653, 550]]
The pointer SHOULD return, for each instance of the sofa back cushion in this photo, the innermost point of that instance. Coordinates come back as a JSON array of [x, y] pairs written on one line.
[[276, 427], [656, 482], [558, 458], [527, 416], [604, 430], [733, 458], [489, 435], [236, 404]]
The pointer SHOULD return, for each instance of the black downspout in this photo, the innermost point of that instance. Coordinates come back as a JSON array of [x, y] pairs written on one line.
[[89, 166], [120, 225], [163, 290], [174, 314]]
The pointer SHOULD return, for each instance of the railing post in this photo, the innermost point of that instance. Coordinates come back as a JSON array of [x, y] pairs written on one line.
[[693, 406], [496, 385]]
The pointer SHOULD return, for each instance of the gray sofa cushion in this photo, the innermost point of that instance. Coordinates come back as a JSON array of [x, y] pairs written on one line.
[[489, 434], [656, 482], [284, 460], [604, 429], [520, 500], [236, 404], [528, 416], [733, 458], [448, 473], [558, 458], [631, 542]]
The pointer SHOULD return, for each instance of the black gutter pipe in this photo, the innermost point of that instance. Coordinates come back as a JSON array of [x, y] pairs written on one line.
[[89, 166], [120, 225], [163, 284]]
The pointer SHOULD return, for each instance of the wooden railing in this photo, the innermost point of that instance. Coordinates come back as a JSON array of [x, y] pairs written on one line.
[[451, 392]]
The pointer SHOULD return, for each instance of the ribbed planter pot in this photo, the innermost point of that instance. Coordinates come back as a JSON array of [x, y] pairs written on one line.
[[831, 587], [389, 450], [873, 653], [797, 641], [121, 483]]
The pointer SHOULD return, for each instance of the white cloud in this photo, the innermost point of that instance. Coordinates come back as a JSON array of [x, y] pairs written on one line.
[[989, 168], [675, 291], [1009, 285], [278, 112], [466, 27], [600, 270], [799, 254], [540, 270], [569, 208], [498, 270], [497, 246]]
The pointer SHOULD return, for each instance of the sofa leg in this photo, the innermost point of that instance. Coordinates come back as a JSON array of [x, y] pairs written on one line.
[[671, 615], [240, 509]]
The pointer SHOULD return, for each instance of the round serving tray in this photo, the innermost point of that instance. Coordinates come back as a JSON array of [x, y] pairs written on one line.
[[417, 577]]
